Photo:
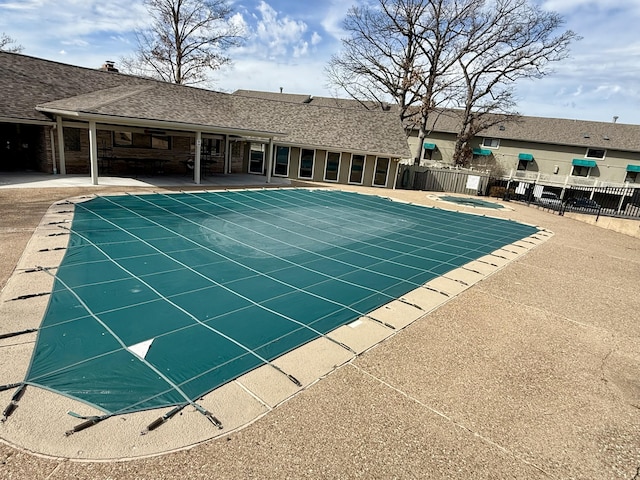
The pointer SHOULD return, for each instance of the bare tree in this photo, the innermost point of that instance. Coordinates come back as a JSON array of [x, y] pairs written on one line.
[[185, 41], [379, 60], [507, 40], [8, 44], [440, 44], [430, 54], [405, 50]]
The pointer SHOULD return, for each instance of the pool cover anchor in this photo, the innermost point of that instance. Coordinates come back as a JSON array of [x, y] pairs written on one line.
[[15, 334], [208, 415], [30, 295], [388, 325], [288, 375], [161, 420], [90, 422], [14, 402]]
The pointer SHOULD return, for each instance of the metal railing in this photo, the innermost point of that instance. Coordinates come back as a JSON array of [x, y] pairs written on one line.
[[621, 202], [581, 196]]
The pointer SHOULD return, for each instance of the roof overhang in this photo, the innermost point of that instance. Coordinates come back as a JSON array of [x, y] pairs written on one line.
[[429, 146], [156, 123], [26, 121], [525, 157], [580, 162], [633, 168]]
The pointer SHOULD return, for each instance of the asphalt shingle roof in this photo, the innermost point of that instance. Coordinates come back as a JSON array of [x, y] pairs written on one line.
[[54, 86], [28, 81], [553, 131]]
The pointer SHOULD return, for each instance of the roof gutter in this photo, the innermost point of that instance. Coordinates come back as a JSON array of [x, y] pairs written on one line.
[[162, 124], [25, 121]]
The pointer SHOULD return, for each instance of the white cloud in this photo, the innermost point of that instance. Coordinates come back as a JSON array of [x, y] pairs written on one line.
[[315, 38], [300, 49], [276, 33], [263, 74], [335, 14]]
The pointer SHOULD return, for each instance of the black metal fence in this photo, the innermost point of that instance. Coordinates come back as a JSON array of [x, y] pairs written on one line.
[[622, 202]]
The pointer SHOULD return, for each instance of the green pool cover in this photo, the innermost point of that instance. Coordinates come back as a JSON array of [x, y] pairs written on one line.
[[471, 202], [162, 298]]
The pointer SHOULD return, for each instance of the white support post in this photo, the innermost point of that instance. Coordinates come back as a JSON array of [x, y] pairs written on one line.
[[396, 175], [269, 160], [622, 197], [63, 166], [593, 189], [93, 152], [227, 155], [196, 165], [53, 151]]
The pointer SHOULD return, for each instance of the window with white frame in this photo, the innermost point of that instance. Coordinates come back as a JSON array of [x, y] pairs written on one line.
[[491, 142], [307, 157], [281, 162], [381, 172], [595, 153], [356, 169], [332, 167], [256, 158]]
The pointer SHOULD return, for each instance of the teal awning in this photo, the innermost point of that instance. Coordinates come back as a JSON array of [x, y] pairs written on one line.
[[579, 162], [429, 146], [482, 152], [527, 157], [633, 168]]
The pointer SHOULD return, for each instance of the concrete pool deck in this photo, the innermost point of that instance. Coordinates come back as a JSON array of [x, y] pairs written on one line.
[[529, 373]]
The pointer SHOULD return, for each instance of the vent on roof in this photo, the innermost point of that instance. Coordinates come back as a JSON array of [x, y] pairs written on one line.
[[501, 128], [308, 99], [109, 66], [606, 137], [586, 135], [386, 107]]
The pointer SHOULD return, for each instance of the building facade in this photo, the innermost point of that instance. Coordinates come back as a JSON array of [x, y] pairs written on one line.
[[64, 119], [548, 150]]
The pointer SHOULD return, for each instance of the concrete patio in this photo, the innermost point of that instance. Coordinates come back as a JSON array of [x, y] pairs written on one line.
[[531, 373]]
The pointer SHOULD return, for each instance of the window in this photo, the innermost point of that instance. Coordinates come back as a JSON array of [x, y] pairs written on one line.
[[122, 139], [210, 147], [491, 142], [306, 163], [356, 169], [281, 164], [522, 164], [160, 142], [256, 158], [381, 172], [595, 153], [71, 139], [332, 167], [633, 177], [141, 140], [579, 171]]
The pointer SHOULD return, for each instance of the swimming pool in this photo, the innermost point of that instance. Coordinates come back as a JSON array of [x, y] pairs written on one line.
[[161, 298]]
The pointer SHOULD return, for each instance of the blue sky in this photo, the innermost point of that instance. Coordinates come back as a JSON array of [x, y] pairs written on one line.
[[290, 42]]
